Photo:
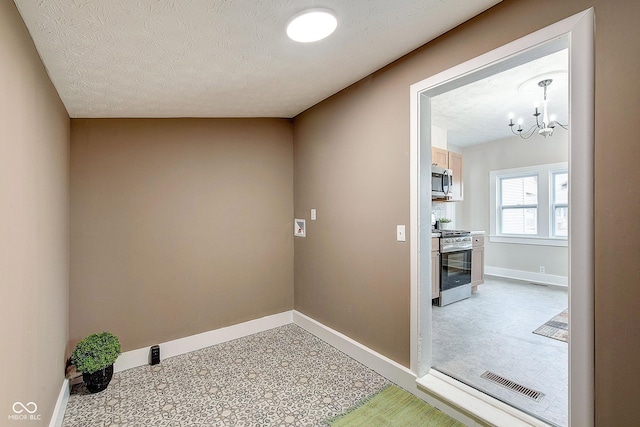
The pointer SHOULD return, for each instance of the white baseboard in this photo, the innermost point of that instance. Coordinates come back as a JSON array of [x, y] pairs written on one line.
[[452, 397], [61, 405], [386, 367], [527, 276], [436, 391], [139, 357], [393, 371]]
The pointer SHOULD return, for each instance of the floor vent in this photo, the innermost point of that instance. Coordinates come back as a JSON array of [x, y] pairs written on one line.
[[520, 389]]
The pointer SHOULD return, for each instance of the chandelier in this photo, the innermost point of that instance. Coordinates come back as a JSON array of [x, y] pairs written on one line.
[[544, 127]]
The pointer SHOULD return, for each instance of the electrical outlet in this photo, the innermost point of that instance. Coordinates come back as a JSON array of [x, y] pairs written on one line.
[[541, 269]]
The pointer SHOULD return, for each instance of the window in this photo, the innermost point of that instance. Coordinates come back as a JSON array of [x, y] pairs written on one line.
[[519, 205], [530, 205], [560, 207]]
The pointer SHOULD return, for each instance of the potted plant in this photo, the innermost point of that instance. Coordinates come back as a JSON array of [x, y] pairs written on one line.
[[94, 357], [443, 223]]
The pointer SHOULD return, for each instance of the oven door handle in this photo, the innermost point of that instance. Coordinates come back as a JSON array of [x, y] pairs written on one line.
[[461, 248]]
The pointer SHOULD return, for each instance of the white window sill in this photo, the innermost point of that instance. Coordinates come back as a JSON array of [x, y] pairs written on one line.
[[483, 407], [521, 240]]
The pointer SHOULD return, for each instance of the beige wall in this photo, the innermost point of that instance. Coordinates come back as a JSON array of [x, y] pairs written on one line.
[[351, 156], [179, 226], [135, 259], [34, 244], [350, 159]]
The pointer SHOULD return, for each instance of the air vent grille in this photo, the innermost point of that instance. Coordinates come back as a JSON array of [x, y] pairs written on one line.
[[511, 385]]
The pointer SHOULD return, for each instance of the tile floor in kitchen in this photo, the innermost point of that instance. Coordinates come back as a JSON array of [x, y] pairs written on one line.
[[493, 331]]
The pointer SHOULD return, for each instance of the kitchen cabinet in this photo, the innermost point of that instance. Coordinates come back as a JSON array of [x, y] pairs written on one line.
[[450, 160], [440, 157], [477, 261], [435, 267]]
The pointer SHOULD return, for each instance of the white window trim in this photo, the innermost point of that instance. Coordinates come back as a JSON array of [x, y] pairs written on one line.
[[553, 205], [545, 236]]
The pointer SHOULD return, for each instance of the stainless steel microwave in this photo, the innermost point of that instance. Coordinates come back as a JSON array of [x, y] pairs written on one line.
[[441, 181]]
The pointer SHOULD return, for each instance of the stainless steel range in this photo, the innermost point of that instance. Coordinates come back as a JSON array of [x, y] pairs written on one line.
[[455, 266]]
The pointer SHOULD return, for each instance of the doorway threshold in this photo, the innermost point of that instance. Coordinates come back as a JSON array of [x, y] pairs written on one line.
[[475, 403]]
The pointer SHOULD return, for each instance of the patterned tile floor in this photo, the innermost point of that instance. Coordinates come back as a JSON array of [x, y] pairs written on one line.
[[281, 377]]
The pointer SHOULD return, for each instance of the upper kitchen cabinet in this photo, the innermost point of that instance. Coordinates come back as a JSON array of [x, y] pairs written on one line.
[[440, 157], [450, 160]]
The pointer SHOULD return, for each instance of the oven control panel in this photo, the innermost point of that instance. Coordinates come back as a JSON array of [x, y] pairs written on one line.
[[453, 244]]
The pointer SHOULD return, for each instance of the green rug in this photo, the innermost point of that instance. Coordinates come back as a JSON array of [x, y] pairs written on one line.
[[394, 407]]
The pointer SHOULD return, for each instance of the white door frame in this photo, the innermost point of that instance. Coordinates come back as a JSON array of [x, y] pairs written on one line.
[[577, 32]]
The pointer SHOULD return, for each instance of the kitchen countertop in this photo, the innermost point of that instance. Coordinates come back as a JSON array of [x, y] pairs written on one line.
[[473, 232]]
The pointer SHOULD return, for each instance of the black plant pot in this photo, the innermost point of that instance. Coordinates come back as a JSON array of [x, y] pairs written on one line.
[[99, 380]]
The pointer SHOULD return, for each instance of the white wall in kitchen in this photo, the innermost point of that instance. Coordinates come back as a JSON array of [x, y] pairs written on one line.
[[446, 210], [439, 138]]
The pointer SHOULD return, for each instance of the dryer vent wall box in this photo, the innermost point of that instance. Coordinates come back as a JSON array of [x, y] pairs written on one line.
[[300, 228]]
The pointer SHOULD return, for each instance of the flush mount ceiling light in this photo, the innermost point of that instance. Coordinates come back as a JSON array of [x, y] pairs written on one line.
[[544, 127], [311, 25]]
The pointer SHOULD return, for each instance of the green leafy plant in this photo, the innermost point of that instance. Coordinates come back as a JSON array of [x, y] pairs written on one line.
[[96, 352], [445, 220]]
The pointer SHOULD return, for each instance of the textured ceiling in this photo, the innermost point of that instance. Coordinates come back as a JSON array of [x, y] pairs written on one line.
[[478, 112], [221, 58]]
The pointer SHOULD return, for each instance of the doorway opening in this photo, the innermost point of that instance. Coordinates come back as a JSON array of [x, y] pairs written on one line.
[[515, 203], [575, 35]]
